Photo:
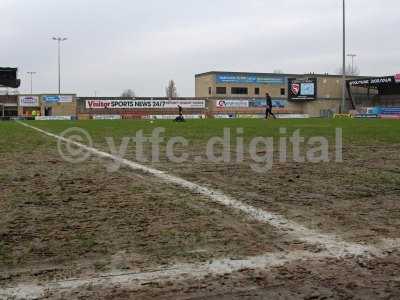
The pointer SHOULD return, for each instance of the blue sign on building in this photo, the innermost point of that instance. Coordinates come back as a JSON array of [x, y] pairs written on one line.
[[51, 99], [263, 103], [250, 79]]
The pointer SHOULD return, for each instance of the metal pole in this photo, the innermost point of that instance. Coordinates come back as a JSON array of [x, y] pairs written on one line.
[[59, 66], [344, 59], [59, 40], [31, 75], [352, 62]]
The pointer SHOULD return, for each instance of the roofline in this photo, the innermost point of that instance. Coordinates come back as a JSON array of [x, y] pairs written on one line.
[[276, 74]]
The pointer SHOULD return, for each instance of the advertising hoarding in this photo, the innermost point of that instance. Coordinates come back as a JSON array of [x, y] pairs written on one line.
[[28, 101], [262, 103], [232, 103], [53, 118], [57, 98], [250, 79], [143, 104]]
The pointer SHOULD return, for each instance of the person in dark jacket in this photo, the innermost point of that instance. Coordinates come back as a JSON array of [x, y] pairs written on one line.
[[180, 118], [268, 111]]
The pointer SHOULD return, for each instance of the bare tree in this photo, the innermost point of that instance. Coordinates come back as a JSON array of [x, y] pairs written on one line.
[[129, 93], [170, 90]]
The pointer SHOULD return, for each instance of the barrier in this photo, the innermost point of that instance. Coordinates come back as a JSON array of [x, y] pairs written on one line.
[[293, 116], [172, 117], [342, 116], [106, 117], [366, 116], [53, 118]]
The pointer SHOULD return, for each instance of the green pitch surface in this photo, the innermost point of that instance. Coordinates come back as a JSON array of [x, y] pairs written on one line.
[[367, 132]]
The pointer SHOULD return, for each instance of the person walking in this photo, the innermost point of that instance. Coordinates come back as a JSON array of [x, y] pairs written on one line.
[[268, 111]]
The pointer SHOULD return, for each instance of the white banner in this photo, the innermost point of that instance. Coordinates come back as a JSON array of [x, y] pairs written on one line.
[[224, 116], [53, 118], [28, 101], [106, 117], [124, 104], [172, 117], [250, 116], [293, 116], [232, 103]]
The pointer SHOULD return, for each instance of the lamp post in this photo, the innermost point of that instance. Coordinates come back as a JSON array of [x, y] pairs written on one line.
[[344, 59], [31, 75], [59, 40], [352, 62]]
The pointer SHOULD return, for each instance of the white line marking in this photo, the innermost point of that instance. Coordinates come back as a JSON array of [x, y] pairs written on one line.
[[177, 273]]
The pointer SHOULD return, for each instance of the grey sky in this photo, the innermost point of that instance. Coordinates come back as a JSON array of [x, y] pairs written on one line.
[[115, 45]]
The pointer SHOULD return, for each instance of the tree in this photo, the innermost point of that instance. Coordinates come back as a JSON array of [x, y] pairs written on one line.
[[129, 93], [170, 90]]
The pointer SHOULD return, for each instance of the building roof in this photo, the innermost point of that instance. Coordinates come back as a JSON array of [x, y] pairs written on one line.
[[273, 74]]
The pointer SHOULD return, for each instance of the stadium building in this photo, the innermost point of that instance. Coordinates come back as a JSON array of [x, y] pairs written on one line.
[[309, 94]]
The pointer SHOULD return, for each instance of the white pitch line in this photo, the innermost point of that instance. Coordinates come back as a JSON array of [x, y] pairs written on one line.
[[332, 242], [176, 273], [180, 272]]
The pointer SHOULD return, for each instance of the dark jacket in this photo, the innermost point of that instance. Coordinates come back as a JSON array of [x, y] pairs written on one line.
[[269, 101]]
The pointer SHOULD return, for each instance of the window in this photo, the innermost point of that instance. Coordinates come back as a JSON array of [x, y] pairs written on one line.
[[221, 90], [283, 92], [257, 91], [210, 90], [239, 91]]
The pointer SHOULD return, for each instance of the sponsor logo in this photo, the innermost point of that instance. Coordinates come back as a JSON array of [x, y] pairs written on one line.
[[221, 103], [28, 101], [232, 103], [295, 88], [57, 98], [397, 78]]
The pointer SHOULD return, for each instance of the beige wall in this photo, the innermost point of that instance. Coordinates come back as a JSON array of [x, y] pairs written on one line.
[[329, 87], [313, 108], [61, 109], [203, 83], [273, 90]]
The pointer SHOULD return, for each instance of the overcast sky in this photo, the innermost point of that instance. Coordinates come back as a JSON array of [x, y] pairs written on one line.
[[120, 44]]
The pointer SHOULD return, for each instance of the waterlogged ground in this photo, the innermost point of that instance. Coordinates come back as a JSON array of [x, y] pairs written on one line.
[[356, 198], [62, 220]]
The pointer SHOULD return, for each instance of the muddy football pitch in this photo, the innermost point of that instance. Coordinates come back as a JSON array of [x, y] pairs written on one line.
[[83, 217]]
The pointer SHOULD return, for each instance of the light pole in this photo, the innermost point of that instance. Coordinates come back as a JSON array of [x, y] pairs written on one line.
[[31, 75], [352, 62], [344, 59], [59, 40]]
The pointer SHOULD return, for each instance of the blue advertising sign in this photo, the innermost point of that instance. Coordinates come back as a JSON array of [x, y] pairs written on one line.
[[57, 98], [250, 79], [263, 103], [51, 99]]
